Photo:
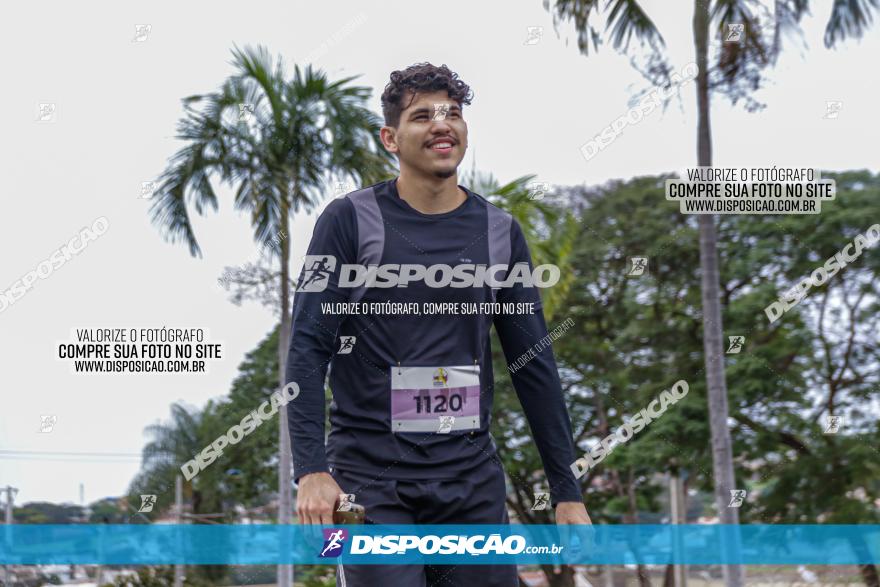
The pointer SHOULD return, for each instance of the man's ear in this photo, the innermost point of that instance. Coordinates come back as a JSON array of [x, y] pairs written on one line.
[[388, 138]]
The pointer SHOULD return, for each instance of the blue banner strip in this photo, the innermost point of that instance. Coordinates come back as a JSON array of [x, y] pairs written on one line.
[[163, 544]]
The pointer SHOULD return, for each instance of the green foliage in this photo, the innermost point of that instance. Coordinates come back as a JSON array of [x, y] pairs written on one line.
[[39, 512], [634, 336], [107, 511], [247, 472]]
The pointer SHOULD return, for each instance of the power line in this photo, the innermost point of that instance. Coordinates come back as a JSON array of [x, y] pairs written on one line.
[[38, 459], [49, 452], [67, 456]]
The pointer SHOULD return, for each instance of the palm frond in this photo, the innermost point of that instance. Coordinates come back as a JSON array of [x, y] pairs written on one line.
[[627, 19], [849, 18]]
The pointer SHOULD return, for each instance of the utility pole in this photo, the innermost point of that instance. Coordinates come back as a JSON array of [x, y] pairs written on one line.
[[284, 573], [178, 508], [10, 493], [677, 513]]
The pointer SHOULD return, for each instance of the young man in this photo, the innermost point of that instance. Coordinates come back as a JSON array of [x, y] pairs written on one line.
[[397, 376]]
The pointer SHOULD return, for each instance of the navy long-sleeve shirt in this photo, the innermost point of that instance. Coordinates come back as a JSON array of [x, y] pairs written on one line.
[[378, 428]]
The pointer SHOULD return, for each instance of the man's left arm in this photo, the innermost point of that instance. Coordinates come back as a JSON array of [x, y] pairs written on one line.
[[536, 381]]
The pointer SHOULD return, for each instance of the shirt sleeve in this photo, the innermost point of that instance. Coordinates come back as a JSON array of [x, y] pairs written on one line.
[[313, 333], [529, 356]]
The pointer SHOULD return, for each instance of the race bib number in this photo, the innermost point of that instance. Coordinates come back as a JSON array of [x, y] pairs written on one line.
[[435, 399]]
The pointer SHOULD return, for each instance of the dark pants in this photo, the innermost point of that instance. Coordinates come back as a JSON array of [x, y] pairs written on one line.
[[474, 498]]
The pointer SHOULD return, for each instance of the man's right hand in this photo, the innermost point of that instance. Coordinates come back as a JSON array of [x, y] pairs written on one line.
[[316, 498]]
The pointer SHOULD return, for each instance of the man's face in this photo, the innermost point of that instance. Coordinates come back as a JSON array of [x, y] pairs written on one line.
[[431, 137]]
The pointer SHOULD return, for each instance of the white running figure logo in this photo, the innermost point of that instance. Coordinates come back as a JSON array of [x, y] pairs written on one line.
[[334, 541]]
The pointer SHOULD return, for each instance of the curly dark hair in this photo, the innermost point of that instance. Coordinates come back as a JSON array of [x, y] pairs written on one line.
[[421, 78]]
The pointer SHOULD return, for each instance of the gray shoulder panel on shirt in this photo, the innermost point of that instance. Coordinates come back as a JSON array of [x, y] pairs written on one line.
[[498, 232], [498, 236], [371, 231]]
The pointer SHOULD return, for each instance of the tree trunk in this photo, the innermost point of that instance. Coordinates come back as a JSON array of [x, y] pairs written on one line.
[[285, 506], [668, 577], [197, 502], [722, 456], [867, 570], [869, 575], [641, 570], [642, 575]]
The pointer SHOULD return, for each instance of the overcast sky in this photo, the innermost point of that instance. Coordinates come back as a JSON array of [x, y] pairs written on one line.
[[117, 105]]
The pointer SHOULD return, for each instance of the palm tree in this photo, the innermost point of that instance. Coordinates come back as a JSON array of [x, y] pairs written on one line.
[[737, 73], [281, 143], [171, 445]]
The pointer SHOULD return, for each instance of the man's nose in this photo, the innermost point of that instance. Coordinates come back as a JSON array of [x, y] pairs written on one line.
[[440, 124]]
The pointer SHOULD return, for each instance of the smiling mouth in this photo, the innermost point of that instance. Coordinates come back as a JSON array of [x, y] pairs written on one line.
[[442, 147]]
